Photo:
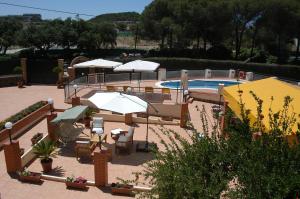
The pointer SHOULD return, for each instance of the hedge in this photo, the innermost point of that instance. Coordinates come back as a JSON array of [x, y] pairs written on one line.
[[8, 63], [18, 116]]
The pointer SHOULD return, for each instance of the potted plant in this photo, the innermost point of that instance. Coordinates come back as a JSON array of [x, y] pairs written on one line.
[[77, 183], [59, 71], [45, 151], [123, 188], [88, 117], [37, 137], [20, 82], [28, 176]]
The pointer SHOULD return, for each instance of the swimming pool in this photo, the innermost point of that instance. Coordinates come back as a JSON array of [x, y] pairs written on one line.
[[199, 84]]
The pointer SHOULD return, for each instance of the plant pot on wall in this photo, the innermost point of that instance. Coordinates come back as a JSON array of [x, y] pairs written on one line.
[[31, 177], [37, 137], [122, 189], [20, 84]]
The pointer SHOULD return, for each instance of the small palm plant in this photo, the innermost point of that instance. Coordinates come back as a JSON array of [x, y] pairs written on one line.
[[45, 150], [59, 71]]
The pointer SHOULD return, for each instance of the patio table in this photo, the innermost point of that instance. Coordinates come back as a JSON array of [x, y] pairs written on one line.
[[115, 133]]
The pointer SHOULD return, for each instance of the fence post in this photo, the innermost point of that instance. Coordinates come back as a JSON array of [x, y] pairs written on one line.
[[51, 127], [71, 72], [100, 168], [75, 101], [24, 69], [162, 74], [207, 73], [12, 156], [184, 114]]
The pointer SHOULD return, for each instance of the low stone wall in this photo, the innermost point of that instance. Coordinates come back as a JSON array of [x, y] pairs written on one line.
[[166, 110], [9, 80], [29, 155], [22, 125], [213, 98], [121, 118]]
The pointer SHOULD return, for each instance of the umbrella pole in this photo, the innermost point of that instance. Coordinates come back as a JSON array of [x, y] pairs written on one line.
[[140, 81], [146, 145]]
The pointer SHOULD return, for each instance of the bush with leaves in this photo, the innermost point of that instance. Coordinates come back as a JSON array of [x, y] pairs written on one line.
[[237, 166]]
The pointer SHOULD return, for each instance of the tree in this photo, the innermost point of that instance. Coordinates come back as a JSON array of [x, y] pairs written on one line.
[[67, 33], [244, 12], [280, 20], [108, 35], [42, 37], [97, 36], [8, 33], [152, 20]]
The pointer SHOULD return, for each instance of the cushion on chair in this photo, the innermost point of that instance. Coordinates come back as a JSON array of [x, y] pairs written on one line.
[[95, 129], [123, 138], [97, 122], [82, 142], [130, 132]]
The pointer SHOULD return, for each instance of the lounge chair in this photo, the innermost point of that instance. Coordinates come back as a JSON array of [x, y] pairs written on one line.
[[166, 92], [125, 141], [125, 88], [67, 132], [84, 148], [111, 88], [97, 124], [148, 89]]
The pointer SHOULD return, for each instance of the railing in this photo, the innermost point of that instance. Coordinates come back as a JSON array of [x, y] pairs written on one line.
[[98, 79]]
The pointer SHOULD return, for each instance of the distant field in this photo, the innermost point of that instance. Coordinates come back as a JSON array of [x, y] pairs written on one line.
[[128, 42]]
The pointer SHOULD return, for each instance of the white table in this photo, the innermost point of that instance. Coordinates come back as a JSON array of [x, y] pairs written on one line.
[[115, 133]]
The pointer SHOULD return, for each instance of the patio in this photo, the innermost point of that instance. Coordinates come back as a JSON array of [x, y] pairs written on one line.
[[66, 164]]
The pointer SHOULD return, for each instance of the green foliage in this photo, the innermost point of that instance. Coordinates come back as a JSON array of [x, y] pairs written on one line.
[[18, 69], [8, 33], [116, 17], [18, 116], [90, 112], [271, 59], [57, 69], [25, 172], [45, 150], [237, 166]]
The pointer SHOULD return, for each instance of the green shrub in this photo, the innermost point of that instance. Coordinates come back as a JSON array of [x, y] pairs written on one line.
[[18, 116]]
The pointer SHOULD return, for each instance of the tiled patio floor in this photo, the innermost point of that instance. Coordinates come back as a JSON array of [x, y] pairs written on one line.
[[121, 166]]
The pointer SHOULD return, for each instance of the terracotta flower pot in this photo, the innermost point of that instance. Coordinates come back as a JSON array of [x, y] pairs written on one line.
[[76, 185], [34, 177], [122, 189], [47, 165], [20, 84]]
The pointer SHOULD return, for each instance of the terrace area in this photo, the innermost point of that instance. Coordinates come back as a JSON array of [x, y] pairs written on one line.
[[122, 165]]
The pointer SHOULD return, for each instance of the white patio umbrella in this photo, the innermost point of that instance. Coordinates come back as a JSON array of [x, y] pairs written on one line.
[[138, 66], [121, 103], [98, 63]]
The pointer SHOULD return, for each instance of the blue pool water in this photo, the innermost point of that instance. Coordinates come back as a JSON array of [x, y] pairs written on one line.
[[199, 84]]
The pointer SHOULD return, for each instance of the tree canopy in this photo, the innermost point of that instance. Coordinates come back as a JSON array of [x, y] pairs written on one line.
[[268, 25]]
